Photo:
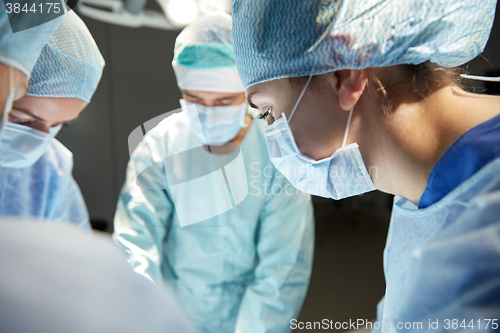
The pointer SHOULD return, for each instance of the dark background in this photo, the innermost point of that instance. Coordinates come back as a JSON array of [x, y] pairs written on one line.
[[138, 84]]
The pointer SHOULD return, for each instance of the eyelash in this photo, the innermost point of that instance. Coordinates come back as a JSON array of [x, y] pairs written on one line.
[[20, 121], [267, 113]]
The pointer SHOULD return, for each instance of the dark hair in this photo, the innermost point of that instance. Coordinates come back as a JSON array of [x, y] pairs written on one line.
[[410, 83]]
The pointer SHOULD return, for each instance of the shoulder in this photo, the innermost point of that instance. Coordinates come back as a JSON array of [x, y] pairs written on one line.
[[172, 135], [171, 123]]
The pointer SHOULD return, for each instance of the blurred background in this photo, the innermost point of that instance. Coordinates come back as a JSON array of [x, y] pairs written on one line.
[[137, 38]]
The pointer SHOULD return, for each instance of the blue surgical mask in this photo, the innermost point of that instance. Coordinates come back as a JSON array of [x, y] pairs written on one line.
[[22, 146], [339, 176], [215, 125]]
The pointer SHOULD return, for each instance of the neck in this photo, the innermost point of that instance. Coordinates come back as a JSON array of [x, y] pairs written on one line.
[[402, 148]]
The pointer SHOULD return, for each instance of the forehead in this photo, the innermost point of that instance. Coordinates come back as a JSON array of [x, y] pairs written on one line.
[[210, 94], [51, 109], [269, 89], [269, 85]]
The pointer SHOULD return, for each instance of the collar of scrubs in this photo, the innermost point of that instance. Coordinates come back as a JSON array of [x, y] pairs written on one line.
[[472, 151]]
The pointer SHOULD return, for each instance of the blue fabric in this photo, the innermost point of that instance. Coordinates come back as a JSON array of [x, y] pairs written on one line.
[[46, 190], [21, 49], [245, 270], [473, 150], [443, 261], [70, 65], [289, 38]]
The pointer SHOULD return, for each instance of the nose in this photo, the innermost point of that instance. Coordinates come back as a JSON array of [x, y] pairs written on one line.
[[43, 127], [210, 103]]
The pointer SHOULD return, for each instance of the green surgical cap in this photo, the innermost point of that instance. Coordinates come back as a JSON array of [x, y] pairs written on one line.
[[204, 56]]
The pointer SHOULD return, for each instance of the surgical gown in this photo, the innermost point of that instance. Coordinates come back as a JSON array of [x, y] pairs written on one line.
[[442, 262], [45, 190], [244, 270]]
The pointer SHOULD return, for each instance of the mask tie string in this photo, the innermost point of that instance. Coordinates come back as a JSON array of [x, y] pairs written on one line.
[[300, 97], [347, 128], [481, 78]]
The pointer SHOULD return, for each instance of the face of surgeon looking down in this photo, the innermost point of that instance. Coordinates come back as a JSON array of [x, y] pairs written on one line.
[[42, 113], [218, 99], [402, 146]]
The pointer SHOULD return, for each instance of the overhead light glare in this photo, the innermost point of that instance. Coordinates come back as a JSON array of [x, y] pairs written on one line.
[[181, 12]]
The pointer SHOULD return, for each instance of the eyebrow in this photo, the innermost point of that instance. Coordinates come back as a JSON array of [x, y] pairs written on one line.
[[192, 96], [249, 100]]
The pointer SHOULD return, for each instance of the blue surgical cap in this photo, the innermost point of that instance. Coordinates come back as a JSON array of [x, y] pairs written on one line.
[[70, 65], [288, 38], [204, 56], [21, 49]]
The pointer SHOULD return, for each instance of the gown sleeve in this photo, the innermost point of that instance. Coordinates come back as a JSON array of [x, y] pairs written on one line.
[[142, 214], [285, 246]]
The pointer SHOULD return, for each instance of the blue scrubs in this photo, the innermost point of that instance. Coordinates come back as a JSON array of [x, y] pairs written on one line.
[[238, 261], [45, 190], [473, 150], [442, 261]]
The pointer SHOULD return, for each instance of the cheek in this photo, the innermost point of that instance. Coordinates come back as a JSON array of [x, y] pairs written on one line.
[[314, 139], [315, 131]]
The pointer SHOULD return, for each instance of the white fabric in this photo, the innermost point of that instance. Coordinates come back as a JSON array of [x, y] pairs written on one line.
[[224, 80], [22, 145], [57, 279], [215, 125]]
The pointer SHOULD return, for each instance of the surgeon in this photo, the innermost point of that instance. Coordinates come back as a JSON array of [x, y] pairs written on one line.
[[229, 233], [35, 169], [18, 53], [363, 95]]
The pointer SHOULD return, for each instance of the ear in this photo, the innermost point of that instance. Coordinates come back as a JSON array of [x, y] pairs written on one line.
[[349, 86]]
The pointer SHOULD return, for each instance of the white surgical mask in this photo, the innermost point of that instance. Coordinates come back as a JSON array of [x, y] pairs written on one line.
[[7, 106], [22, 146], [217, 124], [339, 176]]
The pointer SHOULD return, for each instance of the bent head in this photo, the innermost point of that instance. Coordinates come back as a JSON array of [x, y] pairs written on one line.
[[62, 83], [320, 119], [63, 80], [43, 113], [213, 95], [334, 43], [19, 51], [386, 106]]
